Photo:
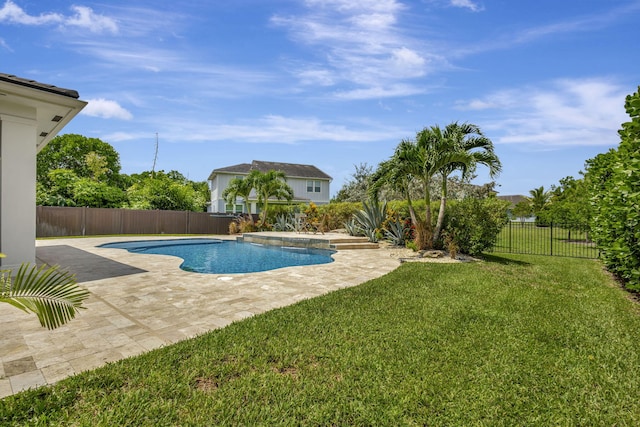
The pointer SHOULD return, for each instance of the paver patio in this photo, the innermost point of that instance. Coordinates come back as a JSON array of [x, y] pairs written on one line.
[[141, 302]]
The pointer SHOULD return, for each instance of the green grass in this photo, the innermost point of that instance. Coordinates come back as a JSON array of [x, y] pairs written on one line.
[[527, 238], [515, 340]]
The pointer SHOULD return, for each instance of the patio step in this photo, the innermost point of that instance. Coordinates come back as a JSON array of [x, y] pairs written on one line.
[[353, 243], [342, 246]]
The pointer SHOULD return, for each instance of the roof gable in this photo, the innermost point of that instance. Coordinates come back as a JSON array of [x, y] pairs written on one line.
[[52, 107], [513, 199]]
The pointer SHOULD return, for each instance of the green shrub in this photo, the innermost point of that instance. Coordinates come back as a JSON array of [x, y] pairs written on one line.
[[614, 178], [473, 225], [334, 215], [401, 207], [339, 213]]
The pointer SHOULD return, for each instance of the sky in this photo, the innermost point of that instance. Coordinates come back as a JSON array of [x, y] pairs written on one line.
[[334, 83]]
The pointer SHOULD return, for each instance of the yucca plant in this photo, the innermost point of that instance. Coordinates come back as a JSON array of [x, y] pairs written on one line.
[[284, 222], [52, 294], [353, 228], [396, 232], [371, 218]]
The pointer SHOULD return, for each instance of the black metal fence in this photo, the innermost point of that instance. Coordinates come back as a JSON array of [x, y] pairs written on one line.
[[554, 239]]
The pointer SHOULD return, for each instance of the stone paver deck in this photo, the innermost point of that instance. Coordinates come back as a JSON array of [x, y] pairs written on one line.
[[141, 302]]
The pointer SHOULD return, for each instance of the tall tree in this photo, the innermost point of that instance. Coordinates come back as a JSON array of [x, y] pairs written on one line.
[[420, 159], [539, 198], [86, 157], [396, 174], [356, 188], [165, 191], [569, 205], [522, 210], [468, 147]]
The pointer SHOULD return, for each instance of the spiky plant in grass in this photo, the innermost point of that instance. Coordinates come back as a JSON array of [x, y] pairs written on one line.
[[52, 294]]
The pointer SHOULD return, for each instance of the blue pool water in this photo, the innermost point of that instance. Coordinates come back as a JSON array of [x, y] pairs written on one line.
[[227, 256]]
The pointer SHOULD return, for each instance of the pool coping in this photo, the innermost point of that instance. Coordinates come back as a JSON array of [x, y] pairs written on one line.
[[281, 240]]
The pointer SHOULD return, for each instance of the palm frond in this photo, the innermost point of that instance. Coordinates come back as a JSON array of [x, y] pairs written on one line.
[[50, 293]]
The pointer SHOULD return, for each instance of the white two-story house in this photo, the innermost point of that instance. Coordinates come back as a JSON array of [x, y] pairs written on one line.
[[309, 184]]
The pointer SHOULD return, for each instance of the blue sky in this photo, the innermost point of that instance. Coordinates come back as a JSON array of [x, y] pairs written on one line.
[[334, 83]]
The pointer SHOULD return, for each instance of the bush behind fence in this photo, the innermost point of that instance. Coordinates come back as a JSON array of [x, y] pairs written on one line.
[[554, 239], [55, 221]]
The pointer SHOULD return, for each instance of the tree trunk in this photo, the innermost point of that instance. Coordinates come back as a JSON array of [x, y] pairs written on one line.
[[412, 212], [423, 238], [443, 206], [427, 229], [264, 212]]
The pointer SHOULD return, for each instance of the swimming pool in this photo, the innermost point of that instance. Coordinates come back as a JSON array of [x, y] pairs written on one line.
[[216, 256]]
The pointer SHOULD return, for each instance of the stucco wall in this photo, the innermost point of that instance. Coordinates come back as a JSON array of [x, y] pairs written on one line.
[[17, 180]]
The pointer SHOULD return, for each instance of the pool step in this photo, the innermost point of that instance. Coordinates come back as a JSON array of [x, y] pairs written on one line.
[[353, 243]]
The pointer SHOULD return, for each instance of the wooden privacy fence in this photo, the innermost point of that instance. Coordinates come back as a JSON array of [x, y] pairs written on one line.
[[55, 221]]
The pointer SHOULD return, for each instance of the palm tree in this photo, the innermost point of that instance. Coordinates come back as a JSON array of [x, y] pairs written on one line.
[[397, 174], [51, 294], [470, 148], [418, 160], [539, 200], [239, 187], [270, 184]]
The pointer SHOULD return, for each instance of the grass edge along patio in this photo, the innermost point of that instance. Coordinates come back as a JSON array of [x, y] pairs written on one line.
[[513, 339]]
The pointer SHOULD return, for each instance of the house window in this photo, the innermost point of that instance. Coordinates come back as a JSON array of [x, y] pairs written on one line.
[[313, 186], [229, 208]]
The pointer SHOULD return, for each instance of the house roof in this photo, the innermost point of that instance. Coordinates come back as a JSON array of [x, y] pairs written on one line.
[[53, 106], [10, 78], [514, 199], [293, 170]]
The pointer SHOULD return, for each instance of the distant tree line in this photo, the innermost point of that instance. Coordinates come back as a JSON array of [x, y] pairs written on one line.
[[74, 170]]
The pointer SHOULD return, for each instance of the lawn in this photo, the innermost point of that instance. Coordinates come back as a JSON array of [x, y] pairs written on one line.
[[527, 238], [513, 340]]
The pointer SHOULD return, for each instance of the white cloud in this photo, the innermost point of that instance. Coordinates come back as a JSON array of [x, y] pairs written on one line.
[[408, 63], [378, 92], [320, 77], [467, 4], [106, 109], [362, 45], [584, 23], [271, 129], [84, 17], [498, 100], [13, 13], [380, 6], [568, 112], [4, 45], [123, 136], [290, 130]]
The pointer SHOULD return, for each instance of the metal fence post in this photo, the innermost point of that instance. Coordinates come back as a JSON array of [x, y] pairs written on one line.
[[551, 238], [510, 244]]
